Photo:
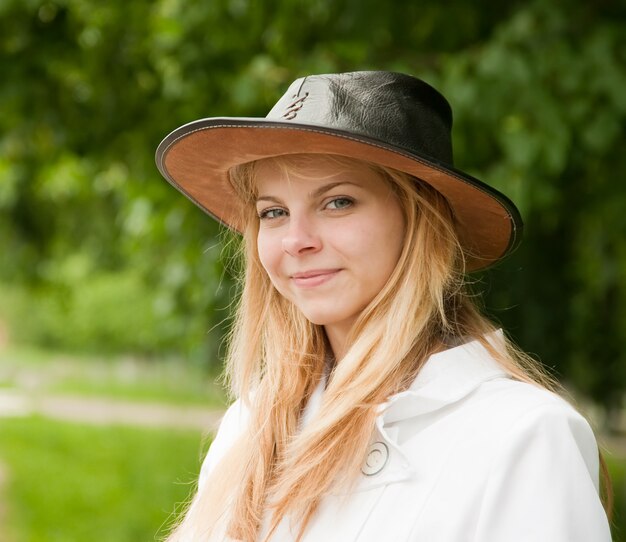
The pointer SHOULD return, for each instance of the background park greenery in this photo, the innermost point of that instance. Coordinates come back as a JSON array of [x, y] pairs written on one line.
[[100, 256]]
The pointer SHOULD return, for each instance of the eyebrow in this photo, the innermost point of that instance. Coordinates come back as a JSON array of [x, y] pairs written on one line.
[[315, 194]]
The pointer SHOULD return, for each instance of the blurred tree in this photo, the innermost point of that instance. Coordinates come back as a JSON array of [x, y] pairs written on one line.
[[114, 259], [544, 118]]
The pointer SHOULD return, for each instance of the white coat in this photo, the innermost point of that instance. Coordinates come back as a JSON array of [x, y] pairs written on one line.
[[467, 454]]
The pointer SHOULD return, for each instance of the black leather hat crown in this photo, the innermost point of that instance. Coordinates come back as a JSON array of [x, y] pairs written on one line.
[[386, 118]]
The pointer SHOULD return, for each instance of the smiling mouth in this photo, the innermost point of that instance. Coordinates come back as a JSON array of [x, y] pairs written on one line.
[[310, 279]]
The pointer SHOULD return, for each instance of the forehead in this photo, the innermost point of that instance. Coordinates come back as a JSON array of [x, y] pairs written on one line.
[[311, 171]]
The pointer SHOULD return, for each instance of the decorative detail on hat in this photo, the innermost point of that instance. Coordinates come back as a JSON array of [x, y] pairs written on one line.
[[292, 109]]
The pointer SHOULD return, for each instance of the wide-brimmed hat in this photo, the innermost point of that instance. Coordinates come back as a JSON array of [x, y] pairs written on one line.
[[386, 118]]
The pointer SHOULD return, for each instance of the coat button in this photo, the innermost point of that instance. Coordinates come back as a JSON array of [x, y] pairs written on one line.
[[376, 459]]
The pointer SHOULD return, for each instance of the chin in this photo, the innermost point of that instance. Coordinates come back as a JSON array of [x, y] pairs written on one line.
[[324, 318], [317, 319]]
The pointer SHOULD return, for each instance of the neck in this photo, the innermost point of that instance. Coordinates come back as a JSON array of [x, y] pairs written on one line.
[[337, 335]]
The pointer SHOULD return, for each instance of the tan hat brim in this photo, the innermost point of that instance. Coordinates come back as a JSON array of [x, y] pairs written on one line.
[[196, 159]]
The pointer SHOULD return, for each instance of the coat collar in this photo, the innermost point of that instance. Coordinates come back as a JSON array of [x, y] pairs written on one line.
[[445, 378]]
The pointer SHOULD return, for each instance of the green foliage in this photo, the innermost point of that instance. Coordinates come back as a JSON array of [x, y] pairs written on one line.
[[551, 118], [113, 254], [617, 469], [96, 313], [71, 482]]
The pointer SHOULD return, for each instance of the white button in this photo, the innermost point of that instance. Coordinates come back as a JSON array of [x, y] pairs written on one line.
[[377, 456]]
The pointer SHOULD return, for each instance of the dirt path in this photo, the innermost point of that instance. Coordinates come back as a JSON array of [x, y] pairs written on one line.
[[107, 411]]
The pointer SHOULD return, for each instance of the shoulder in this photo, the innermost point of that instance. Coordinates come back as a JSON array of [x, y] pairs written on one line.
[[528, 460], [231, 427], [468, 382], [235, 417], [517, 397], [544, 463], [518, 404], [505, 425], [524, 393], [513, 410]]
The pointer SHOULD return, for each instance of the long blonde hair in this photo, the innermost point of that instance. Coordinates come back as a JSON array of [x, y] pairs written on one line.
[[276, 359]]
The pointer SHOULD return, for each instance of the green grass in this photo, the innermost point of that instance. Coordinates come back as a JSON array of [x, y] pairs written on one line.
[[75, 483], [130, 377]]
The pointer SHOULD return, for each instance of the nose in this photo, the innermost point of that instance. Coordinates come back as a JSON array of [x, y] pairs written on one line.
[[301, 237]]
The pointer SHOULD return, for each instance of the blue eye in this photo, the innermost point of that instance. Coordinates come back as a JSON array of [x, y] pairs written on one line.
[[272, 213], [340, 203]]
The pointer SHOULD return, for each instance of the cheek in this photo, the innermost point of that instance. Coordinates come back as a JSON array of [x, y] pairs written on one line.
[[397, 236], [269, 255], [379, 240], [386, 242]]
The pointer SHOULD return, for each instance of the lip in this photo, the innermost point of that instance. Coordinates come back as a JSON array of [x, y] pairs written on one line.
[[313, 277]]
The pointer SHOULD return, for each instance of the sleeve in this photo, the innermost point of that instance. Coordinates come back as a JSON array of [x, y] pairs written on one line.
[[231, 427], [543, 483]]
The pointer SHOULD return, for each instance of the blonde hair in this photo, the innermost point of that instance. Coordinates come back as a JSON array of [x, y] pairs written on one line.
[[276, 359]]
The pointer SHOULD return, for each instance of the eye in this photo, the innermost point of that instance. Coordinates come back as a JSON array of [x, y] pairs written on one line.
[[274, 212], [339, 203]]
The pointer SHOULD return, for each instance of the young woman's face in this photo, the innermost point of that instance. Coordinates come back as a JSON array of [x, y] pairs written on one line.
[[329, 237]]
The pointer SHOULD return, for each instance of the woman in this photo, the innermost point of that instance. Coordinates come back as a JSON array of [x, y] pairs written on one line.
[[374, 401]]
